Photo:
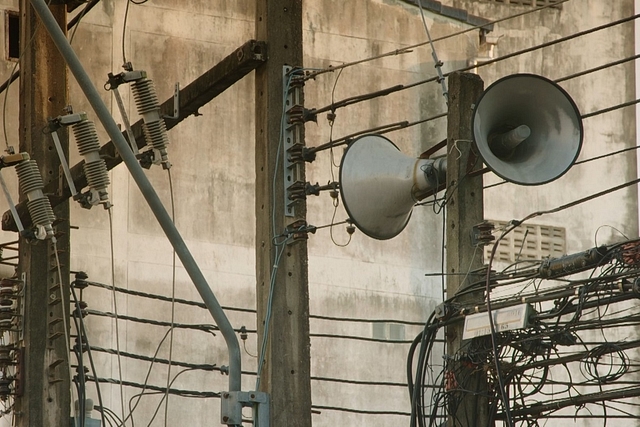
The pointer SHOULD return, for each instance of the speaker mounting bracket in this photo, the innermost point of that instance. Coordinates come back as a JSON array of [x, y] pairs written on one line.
[[292, 138]]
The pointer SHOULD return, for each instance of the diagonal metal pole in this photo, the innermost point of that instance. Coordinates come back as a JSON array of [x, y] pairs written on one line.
[[147, 190]]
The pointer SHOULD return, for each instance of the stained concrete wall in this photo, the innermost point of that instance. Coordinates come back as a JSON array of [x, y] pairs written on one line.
[[212, 179]]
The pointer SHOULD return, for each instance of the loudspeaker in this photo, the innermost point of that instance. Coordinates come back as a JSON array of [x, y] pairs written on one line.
[[527, 129], [379, 185]]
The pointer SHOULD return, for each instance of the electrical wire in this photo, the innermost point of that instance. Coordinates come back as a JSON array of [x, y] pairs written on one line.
[[81, 331], [115, 306], [11, 79], [434, 55], [79, 17], [400, 87], [410, 48], [249, 310], [65, 316], [173, 304], [144, 385], [165, 397]]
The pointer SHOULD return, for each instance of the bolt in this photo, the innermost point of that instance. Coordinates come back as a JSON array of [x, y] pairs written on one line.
[[225, 418]]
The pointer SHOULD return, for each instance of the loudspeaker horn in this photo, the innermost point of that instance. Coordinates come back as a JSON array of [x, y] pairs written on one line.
[[379, 185], [527, 129]]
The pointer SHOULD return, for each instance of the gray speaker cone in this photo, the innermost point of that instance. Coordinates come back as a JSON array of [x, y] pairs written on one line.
[[553, 118], [375, 186]]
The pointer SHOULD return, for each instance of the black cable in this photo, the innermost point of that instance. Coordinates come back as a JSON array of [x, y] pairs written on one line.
[[408, 49], [247, 310], [196, 327], [383, 92], [359, 411], [177, 392]]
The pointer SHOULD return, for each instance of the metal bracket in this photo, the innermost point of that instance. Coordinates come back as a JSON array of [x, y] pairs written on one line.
[[176, 103], [293, 128], [234, 401], [299, 230], [481, 234]]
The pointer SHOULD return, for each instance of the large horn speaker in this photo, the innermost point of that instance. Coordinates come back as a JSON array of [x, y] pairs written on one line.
[[528, 129], [379, 185]]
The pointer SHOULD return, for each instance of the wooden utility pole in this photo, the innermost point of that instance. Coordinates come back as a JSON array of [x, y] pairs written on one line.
[[467, 383], [45, 370], [286, 371]]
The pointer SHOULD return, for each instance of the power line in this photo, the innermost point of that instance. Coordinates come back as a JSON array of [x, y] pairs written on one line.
[[245, 310], [200, 366], [359, 411], [178, 392], [358, 338], [408, 49], [382, 129], [197, 327], [383, 92]]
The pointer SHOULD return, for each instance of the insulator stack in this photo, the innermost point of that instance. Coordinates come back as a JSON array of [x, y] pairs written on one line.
[[6, 358], [95, 168], [155, 130], [5, 388], [38, 204]]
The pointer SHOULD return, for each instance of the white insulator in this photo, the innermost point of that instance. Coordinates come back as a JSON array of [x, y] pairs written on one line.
[[86, 137], [38, 204], [95, 168], [154, 128], [97, 178], [144, 94], [29, 177]]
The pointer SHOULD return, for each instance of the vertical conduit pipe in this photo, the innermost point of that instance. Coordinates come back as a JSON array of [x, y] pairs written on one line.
[[147, 190]]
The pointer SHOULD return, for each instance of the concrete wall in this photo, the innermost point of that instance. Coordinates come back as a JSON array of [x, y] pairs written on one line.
[[213, 184]]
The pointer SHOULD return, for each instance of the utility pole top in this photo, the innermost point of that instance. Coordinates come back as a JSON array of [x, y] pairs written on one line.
[[468, 383]]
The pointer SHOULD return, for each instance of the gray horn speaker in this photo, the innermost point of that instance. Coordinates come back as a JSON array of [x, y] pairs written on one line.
[[379, 185], [528, 129]]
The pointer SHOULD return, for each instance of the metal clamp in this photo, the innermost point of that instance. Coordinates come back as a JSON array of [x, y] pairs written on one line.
[[234, 401], [294, 183]]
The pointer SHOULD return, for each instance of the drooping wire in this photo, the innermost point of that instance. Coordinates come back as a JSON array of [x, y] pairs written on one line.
[[65, 316], [81, 15], [169, 384], [145, 382], [279, 245], [173, 303], [409, 49], [14, 72], [494, 345], [397, 88], [115, 307], [124, 26], [335, 196]]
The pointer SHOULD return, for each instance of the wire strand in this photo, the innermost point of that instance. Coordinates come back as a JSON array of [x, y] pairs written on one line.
[[115, 306]]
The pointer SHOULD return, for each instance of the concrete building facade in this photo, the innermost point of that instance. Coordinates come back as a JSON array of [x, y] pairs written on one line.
[[368, 298]]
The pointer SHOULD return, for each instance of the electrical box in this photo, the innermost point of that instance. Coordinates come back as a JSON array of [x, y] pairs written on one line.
[[504, 319]]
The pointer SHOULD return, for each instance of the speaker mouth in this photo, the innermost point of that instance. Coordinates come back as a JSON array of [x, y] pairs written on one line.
[[372, 176], [554, 124]]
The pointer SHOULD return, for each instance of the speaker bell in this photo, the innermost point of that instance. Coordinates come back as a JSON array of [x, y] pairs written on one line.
[[379, 185], [527, 129]]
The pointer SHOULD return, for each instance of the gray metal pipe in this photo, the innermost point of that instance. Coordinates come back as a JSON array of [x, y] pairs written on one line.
[[190, 265]]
